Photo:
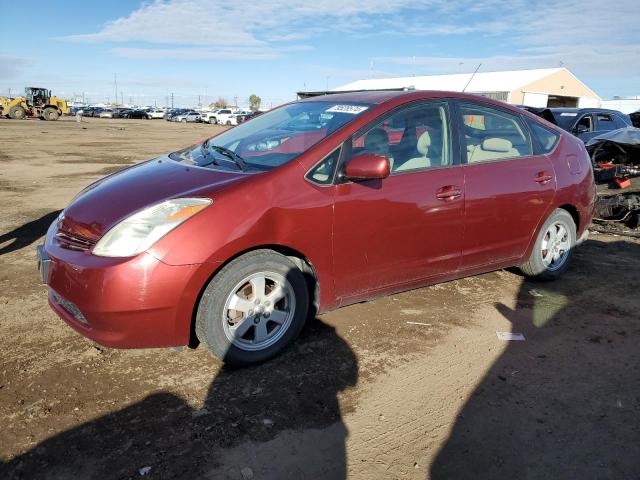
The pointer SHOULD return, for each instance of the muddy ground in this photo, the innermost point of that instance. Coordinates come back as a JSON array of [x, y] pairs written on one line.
[[412, 386]]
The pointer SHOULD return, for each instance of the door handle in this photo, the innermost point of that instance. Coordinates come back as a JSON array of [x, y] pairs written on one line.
[[450, 192], [543, 178]]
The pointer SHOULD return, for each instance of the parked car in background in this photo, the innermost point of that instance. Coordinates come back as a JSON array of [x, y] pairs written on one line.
[[91, 111], [635, 118], [209, 116], [173, 112], [75, 109], [235, 118], [584, 123], [190, 117], [248, 116], [140, 114], [108, 113], [156, 113], [220, 116], [360, 194]]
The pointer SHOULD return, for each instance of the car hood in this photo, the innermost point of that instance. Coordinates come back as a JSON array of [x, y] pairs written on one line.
[[109, 200]]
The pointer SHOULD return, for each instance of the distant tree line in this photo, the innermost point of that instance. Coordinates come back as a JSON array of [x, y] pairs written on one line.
[[254, 103]]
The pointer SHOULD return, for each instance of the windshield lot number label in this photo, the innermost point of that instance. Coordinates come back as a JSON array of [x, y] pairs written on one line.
[[353, 109]]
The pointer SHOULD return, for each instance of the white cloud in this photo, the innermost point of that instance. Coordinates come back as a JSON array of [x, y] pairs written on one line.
[[590, 37], [587, 36], [195, 53], [12, 67]]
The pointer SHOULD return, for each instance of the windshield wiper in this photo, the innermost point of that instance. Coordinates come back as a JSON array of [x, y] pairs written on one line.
[[205, 153], [237, 159]]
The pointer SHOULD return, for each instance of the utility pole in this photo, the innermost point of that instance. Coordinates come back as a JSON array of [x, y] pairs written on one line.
[[199, 102], [327, 85], [171, 99], [235, 101], [122, 98], [115, 84]]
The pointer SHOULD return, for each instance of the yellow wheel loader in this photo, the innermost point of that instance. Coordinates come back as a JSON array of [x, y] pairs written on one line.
[[37, 102]]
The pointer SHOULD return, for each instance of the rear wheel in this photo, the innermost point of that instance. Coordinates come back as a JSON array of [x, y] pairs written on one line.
[[17, 112], [253, 308], [213, 121], [553, 249], [50, 114], [184, 120]]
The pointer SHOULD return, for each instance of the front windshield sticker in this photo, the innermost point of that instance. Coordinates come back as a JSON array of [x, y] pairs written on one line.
[[353, 109]]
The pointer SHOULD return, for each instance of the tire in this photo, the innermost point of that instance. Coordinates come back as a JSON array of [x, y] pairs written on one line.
[[50, 114], [184, 120], [543, 264], [228, 122], [213, 121], [17, 112], [255, 336]]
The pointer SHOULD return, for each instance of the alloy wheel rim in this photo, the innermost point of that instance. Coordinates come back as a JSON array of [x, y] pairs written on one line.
[[258, 311], [555, 246]]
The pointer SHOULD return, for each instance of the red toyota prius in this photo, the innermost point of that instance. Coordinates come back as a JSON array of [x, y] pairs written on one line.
[[317, 204]]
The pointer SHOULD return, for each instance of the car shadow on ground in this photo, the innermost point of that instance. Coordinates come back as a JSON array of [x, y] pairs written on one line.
[[26, 234], [565, 403], [277, 420]]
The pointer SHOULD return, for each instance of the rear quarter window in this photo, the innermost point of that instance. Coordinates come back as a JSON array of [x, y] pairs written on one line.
[[546, 138]]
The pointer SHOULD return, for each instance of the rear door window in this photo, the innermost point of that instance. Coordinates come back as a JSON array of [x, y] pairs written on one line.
[[546, 138], [605, 122], [492, 134]]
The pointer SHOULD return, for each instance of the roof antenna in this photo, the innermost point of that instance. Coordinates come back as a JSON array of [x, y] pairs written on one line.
[[472, 75]]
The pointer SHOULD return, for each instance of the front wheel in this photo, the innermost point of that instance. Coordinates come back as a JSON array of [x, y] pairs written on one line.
[[51, 114], [253, 308], [553, 248]]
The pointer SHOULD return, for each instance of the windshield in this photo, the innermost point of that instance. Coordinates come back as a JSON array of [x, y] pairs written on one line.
[[274, 138]]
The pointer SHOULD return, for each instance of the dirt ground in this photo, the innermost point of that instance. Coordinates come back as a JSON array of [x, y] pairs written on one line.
[[413, 386]]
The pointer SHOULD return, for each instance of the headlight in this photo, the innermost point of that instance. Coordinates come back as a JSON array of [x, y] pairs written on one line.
[[141, 230]]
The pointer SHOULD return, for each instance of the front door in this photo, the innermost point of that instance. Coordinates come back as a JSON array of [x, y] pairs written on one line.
[[408, 226]]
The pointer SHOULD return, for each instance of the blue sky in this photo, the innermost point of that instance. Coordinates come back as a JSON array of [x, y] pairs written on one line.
[[274, 48]]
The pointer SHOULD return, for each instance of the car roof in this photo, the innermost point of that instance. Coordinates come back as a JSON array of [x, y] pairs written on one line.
[[583, 110], [377, 97], [364, 96]]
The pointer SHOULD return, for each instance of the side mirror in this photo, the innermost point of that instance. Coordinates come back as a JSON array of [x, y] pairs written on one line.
[[367, 166]]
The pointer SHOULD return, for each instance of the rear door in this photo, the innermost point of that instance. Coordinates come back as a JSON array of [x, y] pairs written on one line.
[[406, 227], [508, 189]]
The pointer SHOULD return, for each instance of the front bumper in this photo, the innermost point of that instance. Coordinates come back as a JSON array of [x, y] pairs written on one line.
[[136, 302]]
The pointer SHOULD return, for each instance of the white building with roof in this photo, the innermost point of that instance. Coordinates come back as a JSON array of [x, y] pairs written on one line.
[[546, 87]]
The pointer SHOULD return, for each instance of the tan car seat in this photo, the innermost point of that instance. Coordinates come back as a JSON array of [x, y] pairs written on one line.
[[424, 142], [491, 149]]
